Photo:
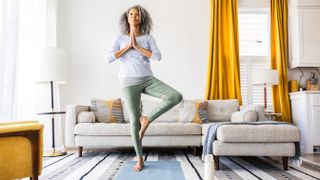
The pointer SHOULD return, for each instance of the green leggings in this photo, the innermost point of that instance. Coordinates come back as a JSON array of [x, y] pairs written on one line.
[[132, 99]]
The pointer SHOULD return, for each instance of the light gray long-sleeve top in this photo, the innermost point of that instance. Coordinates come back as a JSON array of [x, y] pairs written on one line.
[[134, 63]]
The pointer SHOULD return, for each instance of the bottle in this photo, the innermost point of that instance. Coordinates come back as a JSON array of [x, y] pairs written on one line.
[[209, 169]]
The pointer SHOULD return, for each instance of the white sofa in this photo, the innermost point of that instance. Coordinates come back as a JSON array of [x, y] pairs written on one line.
[[169, 130], [165, 131]]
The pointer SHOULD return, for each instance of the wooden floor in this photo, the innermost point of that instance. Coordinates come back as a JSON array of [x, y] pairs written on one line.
[[312, 157]]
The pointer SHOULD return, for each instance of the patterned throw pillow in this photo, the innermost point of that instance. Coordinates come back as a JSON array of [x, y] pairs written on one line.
[[107, 111], [194, 112], [201, 114]]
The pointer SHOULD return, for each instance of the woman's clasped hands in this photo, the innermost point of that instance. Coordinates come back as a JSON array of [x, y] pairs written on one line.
[[133, 41]]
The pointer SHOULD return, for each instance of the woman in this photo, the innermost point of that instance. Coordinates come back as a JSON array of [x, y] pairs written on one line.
[[134, 48]]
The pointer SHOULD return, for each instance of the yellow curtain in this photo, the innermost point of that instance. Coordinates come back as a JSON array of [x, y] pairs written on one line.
[[223, 79], [279, 54]]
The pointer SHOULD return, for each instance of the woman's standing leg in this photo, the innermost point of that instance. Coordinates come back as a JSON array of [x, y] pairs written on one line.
[[169, 95], [132, 99]]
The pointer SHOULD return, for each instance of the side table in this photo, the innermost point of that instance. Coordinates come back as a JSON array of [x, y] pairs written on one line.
[[53, 152]]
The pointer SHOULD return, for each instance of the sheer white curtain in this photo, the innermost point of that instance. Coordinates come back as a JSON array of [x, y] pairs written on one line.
[[32, 38], [26, 28], [23, 35], [8, 55]]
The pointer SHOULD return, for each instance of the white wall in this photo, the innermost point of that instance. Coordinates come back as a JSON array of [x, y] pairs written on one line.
[[181, 28], [86, 29]]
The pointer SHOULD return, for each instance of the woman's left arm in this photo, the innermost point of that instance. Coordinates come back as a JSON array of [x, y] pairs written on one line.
[[144, 51], [153, 53]]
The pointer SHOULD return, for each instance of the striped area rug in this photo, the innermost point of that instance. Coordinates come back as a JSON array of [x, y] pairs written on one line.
[[101, 165]]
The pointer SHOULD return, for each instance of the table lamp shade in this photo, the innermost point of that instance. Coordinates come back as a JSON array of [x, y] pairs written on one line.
[[53, 66], [264, 76]]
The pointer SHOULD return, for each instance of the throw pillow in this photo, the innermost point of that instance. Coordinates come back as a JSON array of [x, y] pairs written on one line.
[[86, 117], [107, 111], [258, 108], [221, 110], [244, 116], [194, 112], [201, 114]]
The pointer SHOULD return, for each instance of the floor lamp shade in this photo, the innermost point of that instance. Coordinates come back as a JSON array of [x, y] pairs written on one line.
[[52, 67], [264, 77]]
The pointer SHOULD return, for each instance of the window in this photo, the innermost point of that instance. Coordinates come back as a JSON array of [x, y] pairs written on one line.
[[254, 49]]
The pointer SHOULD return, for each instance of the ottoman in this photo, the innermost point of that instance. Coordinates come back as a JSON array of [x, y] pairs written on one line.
[[255, 140]]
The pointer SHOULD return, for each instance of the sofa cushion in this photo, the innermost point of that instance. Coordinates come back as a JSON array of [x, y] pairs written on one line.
[[258, 133], [221, 110], [107, 111], [186, 114], [124, 129], [244, 116], [255, 133]]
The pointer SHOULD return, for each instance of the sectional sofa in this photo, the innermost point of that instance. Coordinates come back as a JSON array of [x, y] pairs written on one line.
[[185, 125]]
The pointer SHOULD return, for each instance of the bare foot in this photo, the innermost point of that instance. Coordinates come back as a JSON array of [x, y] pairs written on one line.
[[139, 165], [144, 121]]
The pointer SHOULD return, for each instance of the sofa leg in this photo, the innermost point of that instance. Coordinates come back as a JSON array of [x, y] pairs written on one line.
[[197, 151], [80, 148], [194, 151], [216, 162], [285, 162]]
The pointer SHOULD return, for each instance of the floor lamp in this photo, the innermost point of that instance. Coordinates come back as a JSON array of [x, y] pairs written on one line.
[[264, 77], [52, 70]]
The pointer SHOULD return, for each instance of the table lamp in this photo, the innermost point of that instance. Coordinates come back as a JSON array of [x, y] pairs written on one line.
[[52, 70], [264, 77]]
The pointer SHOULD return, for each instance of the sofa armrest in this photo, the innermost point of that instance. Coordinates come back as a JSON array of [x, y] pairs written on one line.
[[258, 108], [71, 120]]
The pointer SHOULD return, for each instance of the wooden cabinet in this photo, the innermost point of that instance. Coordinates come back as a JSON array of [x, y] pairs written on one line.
[[305, 107], [303, 33]]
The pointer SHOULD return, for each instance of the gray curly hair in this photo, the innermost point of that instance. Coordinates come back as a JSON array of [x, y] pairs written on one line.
[[145, 25]]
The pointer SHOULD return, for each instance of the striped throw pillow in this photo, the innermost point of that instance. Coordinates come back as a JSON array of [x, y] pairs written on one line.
[[107, 111], [201, 114], [194, 111]]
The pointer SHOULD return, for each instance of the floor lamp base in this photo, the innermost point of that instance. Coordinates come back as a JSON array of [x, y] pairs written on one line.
[[54, 153]]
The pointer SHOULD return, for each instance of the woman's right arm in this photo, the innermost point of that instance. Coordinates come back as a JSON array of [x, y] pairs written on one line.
[[119, 53], [115, 52]]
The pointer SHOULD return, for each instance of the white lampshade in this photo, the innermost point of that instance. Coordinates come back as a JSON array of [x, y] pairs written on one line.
[[52, 67], [264, 76]]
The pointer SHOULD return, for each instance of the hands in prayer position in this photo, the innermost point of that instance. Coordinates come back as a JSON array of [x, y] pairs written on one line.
[[133, 41]]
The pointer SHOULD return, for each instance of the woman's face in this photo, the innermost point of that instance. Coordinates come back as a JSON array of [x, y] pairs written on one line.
[[134, 17]]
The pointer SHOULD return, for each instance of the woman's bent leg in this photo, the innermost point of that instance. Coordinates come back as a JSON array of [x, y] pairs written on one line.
[[169, 95]]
